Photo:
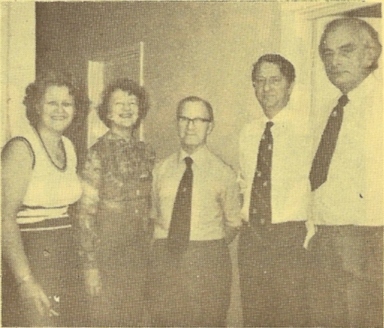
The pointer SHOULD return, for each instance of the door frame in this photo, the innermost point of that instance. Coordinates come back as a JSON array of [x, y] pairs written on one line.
[[299, 37], [96, 84]]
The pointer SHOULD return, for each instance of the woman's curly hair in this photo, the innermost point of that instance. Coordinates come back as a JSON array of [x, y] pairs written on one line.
[[35, 92], [132, 88]]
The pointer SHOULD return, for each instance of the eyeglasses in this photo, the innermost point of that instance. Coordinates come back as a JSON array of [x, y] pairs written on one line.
[[259, 81], [196, 121]]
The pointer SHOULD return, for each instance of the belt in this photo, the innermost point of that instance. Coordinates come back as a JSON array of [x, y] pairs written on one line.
[[274, 226], [47, 224]]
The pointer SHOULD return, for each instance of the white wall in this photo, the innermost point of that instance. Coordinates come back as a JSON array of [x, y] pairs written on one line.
[[17, 64]]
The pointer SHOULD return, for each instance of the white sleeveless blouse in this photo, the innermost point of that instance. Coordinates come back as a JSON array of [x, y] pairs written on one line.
[[51, 189]]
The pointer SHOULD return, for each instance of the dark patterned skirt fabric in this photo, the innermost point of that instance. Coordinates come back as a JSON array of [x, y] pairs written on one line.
[[52, 255], [122, 259], [121, 302]]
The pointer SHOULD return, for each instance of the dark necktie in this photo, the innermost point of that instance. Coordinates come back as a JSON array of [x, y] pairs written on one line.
[[179, 230], [260, 211], [327, 145]]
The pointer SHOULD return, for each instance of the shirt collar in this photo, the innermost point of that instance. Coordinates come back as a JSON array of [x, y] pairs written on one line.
[[114, 136], [197, 157], [366, 87], [285, 115]]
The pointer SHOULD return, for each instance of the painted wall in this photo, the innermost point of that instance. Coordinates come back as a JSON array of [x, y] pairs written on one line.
[[204, 49], [17, 65]]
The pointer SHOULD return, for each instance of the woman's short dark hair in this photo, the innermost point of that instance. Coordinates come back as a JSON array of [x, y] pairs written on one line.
[[132, 88], [35, 92], [285, 66]]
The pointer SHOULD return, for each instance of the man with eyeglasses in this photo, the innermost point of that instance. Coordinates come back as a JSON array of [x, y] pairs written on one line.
[[275, 162], [196, 214]]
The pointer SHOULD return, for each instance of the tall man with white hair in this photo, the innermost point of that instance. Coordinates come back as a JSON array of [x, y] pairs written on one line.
[[347, 181]]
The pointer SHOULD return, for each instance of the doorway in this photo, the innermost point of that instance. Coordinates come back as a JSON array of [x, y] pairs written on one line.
[[103, 68]]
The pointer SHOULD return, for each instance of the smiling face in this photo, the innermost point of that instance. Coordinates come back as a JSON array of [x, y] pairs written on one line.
[[346, 57], [56, 109], [123, 110], [194, 125], [272, 89]]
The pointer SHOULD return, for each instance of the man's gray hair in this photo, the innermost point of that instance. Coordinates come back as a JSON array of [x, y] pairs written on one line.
[[359, 25]]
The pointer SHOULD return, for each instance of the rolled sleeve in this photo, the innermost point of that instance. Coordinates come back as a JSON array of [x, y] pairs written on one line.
[[87, 210]]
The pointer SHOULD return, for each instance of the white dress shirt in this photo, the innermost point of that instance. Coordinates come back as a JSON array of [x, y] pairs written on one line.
[[291, 161], [215, 195], [353, 192]]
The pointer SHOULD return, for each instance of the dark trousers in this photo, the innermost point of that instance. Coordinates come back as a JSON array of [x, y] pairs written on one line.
[[346, 285], [272, 268], [191, 291]]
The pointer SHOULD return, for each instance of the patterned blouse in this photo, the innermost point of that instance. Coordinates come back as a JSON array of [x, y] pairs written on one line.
[[116, 181]]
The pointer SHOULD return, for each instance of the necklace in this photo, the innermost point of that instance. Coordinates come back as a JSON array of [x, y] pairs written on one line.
[[49, 155]]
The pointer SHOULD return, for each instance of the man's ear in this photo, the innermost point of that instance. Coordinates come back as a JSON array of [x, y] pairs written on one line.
[[290, 89], [211, 125], [370, 56]]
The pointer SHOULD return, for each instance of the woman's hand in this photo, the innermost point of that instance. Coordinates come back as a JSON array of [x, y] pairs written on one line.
[[32, 293], [92, 282]]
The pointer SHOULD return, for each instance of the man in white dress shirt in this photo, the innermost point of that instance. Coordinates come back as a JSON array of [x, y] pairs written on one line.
[[347, 181], [275, 162]]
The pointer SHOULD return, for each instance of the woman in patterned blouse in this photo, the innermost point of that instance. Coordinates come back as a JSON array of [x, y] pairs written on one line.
[[114, 210]]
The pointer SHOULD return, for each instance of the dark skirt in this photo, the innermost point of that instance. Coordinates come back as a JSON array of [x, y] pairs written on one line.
[[122, 260], [52, 256], [121, 302]]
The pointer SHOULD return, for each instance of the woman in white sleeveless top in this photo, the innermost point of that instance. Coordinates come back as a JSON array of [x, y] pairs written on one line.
[[39, 182]]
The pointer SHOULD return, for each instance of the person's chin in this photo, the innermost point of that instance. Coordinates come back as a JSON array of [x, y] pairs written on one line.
[[338, 78], [60, 126], [126, 125], [191, 141], [269, 104]]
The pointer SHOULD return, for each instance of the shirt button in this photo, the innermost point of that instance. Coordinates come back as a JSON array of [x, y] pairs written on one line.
[[265, 183], [138, 192], [136, 211]]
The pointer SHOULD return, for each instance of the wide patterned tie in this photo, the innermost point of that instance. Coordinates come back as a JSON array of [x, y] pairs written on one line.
[[260, 211], [327, 145], [179, 230]]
